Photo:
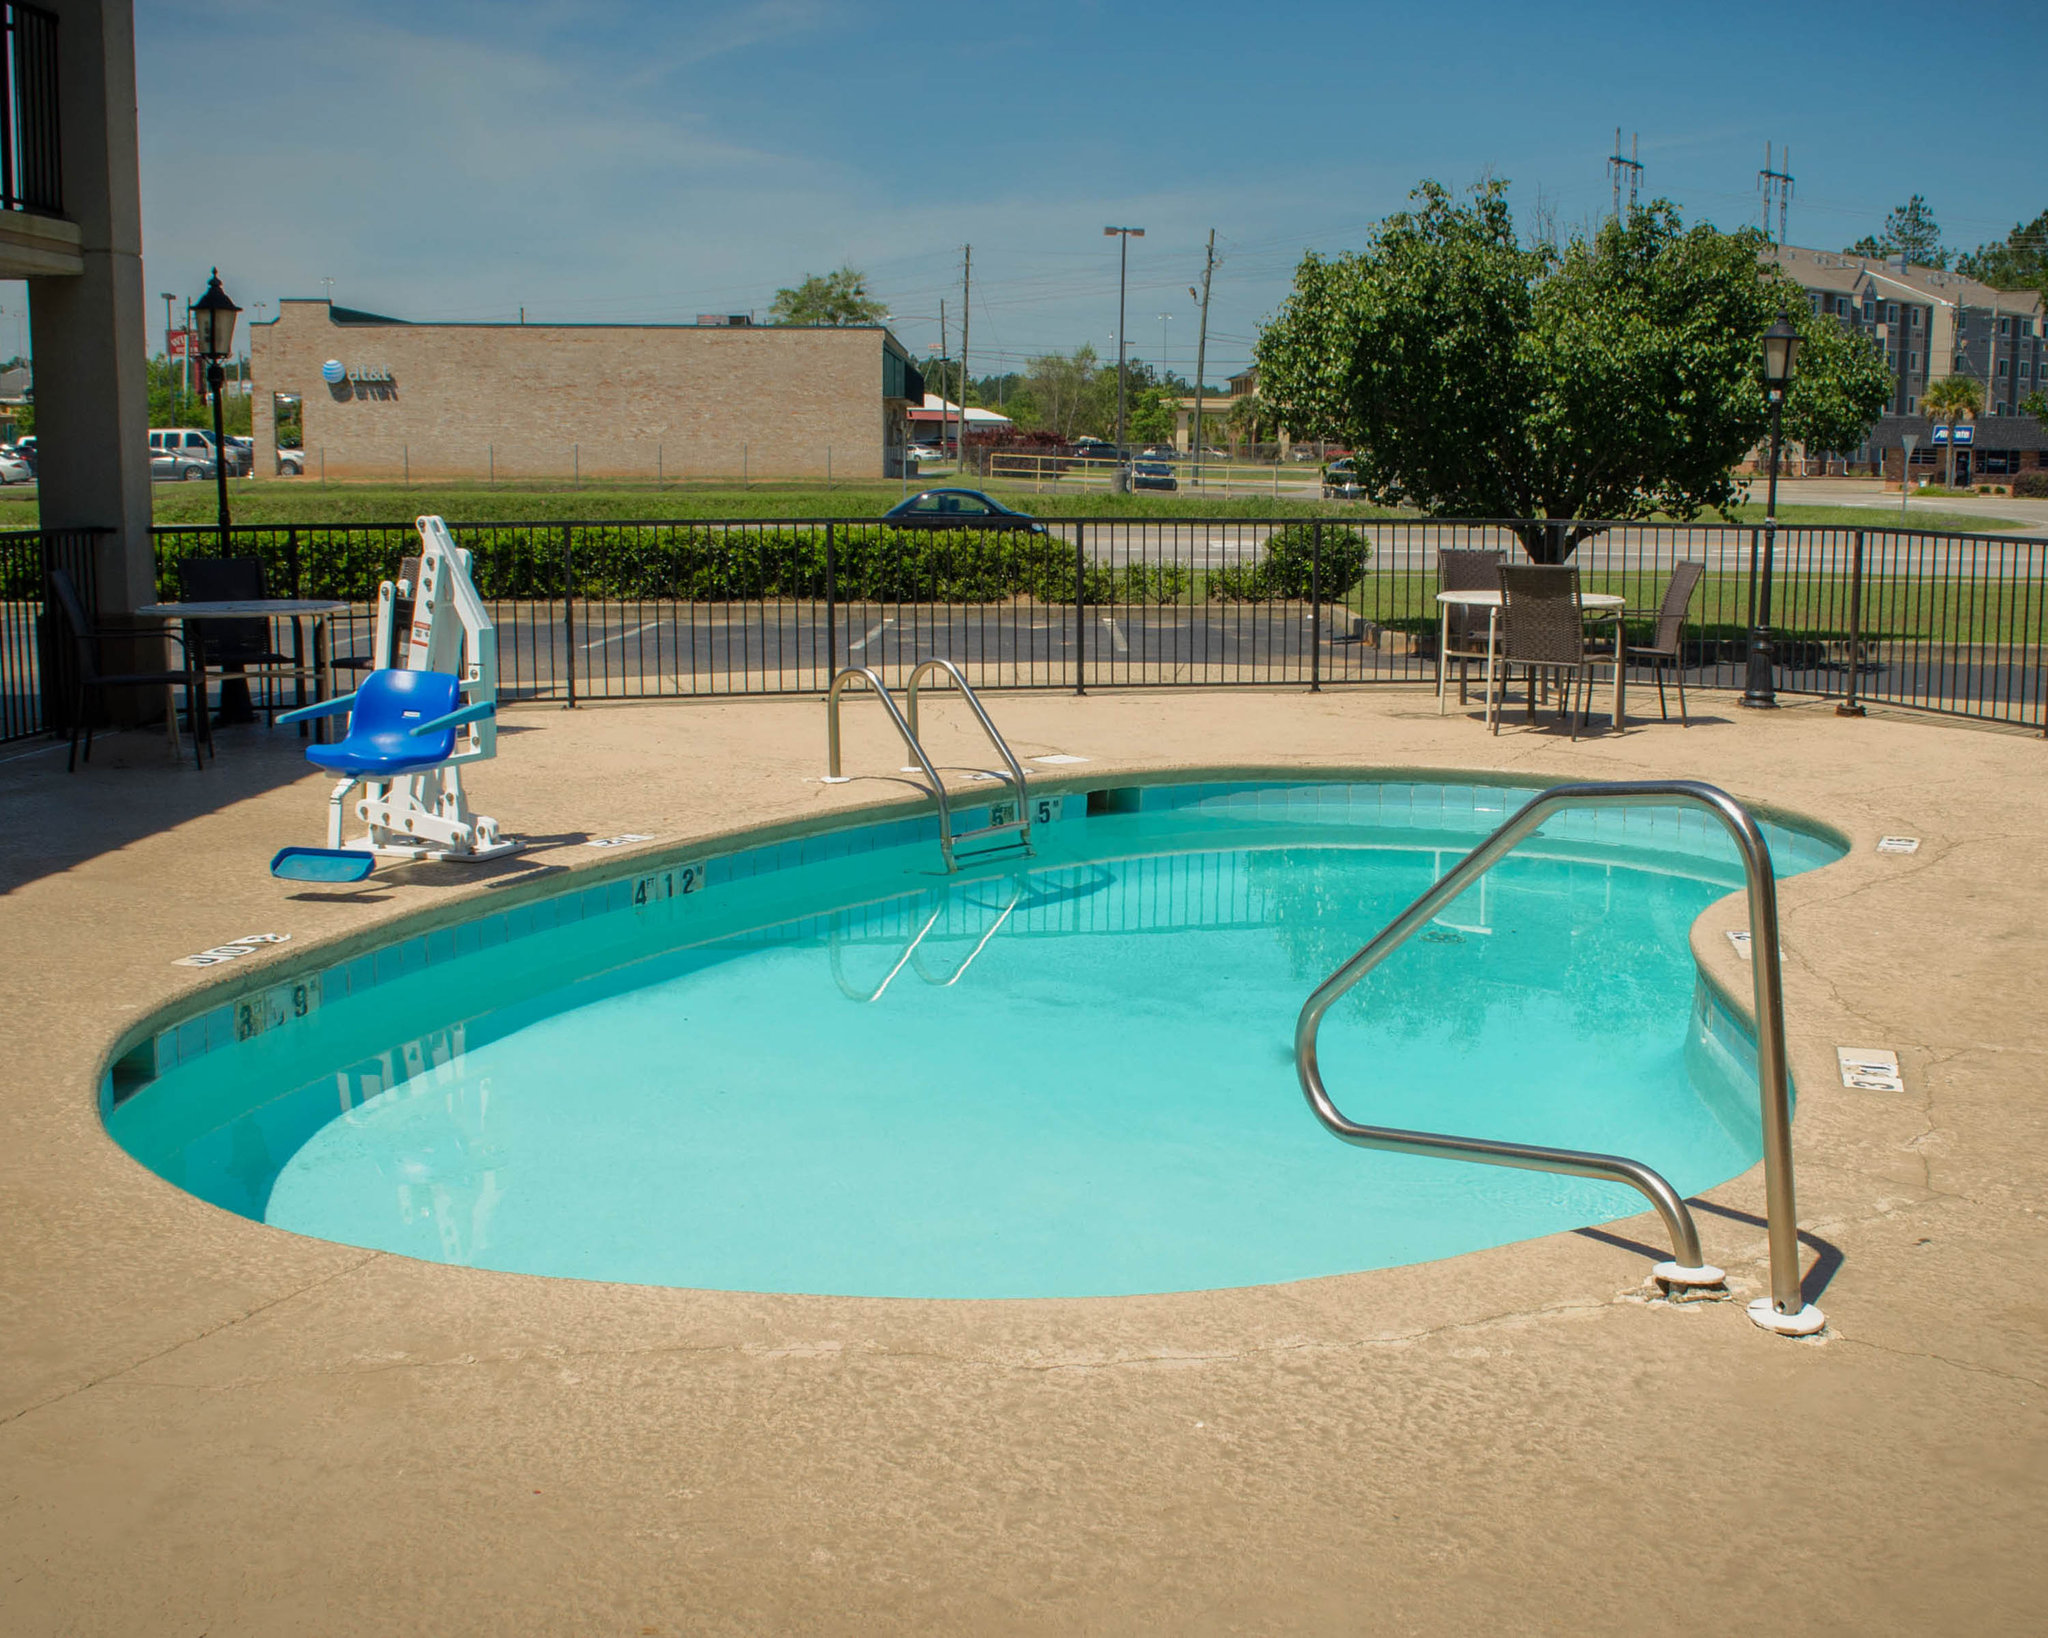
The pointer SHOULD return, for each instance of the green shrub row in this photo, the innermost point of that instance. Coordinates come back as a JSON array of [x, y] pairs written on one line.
[[700, 564]]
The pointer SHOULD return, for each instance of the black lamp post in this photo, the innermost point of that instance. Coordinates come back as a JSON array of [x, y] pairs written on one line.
[[213, 316], [1781, 361], [1121, 482]]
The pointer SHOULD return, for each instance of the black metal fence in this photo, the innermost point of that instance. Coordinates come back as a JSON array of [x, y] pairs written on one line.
[[35, 664], [1941, 622], [31, 176]]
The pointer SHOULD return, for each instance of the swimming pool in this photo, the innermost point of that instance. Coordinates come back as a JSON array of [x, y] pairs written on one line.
[[823, 1065]]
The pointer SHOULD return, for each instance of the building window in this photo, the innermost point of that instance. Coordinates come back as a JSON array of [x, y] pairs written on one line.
[[1813, 296], [1916, 316], [1870, 309], [1891, 312], [2005, 326], [2003, 366], [1913, 363], [1912, 405], [2026, 368]]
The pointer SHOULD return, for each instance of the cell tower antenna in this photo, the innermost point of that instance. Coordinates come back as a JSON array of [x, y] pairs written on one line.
[[1617, 165]]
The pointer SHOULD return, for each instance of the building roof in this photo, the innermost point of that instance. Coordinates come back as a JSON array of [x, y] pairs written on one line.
[[1829, 270], [935, 407]]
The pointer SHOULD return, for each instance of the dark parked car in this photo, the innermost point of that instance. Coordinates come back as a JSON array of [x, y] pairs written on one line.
[[1153, 475], [958, 509], [1340, 481]]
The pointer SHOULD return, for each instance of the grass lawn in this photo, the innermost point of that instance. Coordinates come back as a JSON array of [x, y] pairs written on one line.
[[299, 500]]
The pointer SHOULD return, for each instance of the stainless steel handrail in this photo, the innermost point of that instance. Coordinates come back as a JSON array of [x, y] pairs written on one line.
[[1016, 774], [834, 777], [1785, 1310]]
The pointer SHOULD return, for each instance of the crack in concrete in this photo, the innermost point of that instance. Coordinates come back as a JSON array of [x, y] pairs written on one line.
[[1943, 1359], [185, 1342]]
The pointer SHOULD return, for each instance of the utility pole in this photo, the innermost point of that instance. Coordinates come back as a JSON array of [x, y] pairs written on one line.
[[966, 318], [1202, 352], [942, 375], [168, 300], [1616, 165], [1123, 236], [1778, 182]]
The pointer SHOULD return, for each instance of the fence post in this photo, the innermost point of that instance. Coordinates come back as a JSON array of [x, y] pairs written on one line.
[[569, 615], [1849, 707], [1315, 610], [831, 610], [1080, 607]]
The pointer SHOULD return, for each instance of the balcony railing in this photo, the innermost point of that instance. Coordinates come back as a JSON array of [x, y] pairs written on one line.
[[31, 178]]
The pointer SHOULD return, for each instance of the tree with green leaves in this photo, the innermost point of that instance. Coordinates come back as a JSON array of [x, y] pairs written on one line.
[[1910, 231], [836, 298], [1952, 399], [1153, 415], [1608, 378], [2019, 262], [1060, 385]]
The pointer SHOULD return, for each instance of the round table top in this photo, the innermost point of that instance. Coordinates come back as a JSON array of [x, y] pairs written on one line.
[[243, 607], [1491, 599]]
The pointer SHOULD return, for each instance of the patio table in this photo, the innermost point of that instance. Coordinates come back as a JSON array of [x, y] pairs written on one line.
[[1601, 605], [319, 610]]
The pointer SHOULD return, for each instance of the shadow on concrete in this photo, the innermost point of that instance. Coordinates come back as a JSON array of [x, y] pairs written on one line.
[[1827, 1257], [52, 821]]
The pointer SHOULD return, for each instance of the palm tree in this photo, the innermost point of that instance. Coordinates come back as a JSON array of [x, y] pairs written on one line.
[[1951, 399]]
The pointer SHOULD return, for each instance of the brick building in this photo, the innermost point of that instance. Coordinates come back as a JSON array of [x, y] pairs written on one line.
[[384, 398]]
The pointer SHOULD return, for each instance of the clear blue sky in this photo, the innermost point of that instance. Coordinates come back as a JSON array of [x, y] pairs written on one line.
[[639, 161]]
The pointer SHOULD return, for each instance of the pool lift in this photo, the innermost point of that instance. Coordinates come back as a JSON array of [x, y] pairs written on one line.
[[408, 737]]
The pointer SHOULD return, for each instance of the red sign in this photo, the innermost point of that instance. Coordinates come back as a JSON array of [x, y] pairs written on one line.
[[180, 343]]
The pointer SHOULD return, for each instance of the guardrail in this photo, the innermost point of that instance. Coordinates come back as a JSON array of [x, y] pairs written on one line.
[[1936, 621]]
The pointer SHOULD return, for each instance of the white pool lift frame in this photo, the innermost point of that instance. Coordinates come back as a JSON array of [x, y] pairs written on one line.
[[426, 815]]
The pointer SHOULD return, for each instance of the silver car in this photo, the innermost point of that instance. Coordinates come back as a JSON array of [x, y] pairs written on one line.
[[181, 463]]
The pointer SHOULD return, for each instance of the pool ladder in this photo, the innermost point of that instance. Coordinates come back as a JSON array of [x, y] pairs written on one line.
[[1020, 804], [1785, 1310]]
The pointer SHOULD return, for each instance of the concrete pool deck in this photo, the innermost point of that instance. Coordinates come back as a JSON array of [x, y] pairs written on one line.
[[210, 1426]]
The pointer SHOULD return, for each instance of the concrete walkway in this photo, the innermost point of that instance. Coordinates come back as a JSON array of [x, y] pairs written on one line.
[[210, 1426]]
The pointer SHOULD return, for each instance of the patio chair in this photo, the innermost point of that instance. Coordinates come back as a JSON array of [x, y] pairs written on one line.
[[242, 649], [1543, 629], [89, 679], [1666, 648], [1463, 570]]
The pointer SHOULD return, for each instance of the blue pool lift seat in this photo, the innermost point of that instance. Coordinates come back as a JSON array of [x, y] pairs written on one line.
[[382, 718]]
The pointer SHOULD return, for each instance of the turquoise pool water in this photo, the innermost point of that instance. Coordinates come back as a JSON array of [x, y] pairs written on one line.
[[825, 1066]]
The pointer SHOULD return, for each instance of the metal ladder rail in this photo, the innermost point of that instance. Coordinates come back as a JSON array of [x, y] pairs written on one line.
[[1015, 776], [1785, 1311], [834, 777]]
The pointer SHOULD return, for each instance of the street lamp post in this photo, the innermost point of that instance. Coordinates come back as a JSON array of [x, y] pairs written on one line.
[[1781, 361], [1123, 236], [214, 318]]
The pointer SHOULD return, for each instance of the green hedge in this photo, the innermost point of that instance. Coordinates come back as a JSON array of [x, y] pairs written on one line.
[[699, 564], [1287, 567]]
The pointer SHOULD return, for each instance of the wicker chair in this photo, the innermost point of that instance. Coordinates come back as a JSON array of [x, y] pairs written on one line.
[[241, 649], [1543, 629], [1461, 570], [88, 678], [1667, 648]]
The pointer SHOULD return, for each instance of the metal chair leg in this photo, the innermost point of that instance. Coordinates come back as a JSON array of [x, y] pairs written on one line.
[[77, 722], [1662, 711]]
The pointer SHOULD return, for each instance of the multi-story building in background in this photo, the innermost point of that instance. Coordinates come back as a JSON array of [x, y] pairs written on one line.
[[1931, 323]]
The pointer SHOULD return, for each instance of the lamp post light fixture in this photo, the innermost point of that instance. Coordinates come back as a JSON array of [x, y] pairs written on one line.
[[213, 317], [1123, 236], [1781, 363]]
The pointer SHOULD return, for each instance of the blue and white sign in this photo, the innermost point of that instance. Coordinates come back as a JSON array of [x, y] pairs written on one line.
[[1941, 435], [1966, 435], [334, 372]]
